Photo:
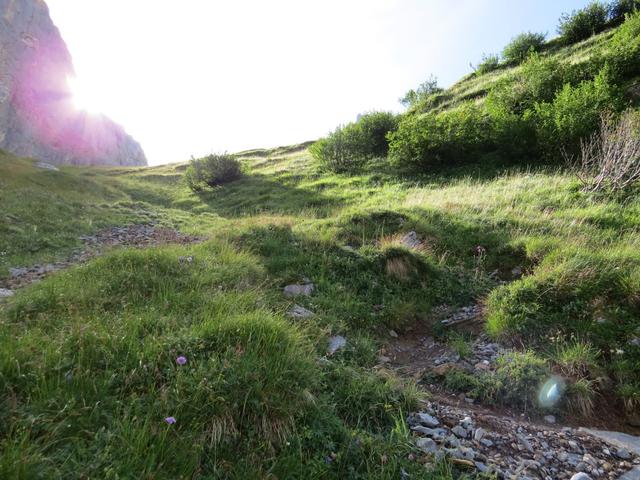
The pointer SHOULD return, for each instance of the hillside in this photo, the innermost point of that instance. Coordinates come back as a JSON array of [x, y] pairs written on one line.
[[445, 300]]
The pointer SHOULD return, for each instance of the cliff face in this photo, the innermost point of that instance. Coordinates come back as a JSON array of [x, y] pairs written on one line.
[[37, 115]]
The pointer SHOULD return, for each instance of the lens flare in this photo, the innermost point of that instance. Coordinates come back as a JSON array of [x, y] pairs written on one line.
[[551, 392]]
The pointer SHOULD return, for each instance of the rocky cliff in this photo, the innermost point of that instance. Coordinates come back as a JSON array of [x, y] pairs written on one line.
[[37, 116]]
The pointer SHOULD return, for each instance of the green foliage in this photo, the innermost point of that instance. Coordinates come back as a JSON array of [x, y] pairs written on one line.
[[426, 89], [576, 358], [581, 24], [623, 50], [489, 63], [575, 113], [450, 138], [620, 8], [349, 147], [521, 46], [211, 171], [460, 345]]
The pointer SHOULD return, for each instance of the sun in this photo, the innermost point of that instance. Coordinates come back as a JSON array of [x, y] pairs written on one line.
[[84, 97]]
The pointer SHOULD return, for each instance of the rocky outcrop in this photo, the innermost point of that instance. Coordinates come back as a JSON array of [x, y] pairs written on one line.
[[37, 116]]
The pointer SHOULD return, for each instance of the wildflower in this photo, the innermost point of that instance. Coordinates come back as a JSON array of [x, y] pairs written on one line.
[[181, 360], [170, 420]]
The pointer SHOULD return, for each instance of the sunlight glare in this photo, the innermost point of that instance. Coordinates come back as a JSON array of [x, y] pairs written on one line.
[[83, 97]]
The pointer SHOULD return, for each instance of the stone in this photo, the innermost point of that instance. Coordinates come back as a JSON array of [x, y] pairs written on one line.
[[410, 240], [581, 476], [435, 433], [297, 290], [479, 434], [623, 453], [336, 343], [427, 420], [299, 312], [427, 445], [620, 440], [550, 419], [460, 431], [5, 293], [46, 166], [633, 474], [486, 442], [393, 334], [35, 64], [18, 272]]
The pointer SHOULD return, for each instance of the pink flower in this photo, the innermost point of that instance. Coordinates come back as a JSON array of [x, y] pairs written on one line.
[[181, 360], [170, 420]]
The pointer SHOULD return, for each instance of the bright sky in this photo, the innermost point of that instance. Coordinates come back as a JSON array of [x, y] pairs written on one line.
[[199, 76]]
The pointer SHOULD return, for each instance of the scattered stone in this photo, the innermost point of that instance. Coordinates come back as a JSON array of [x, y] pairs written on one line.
[[633, 474], [46, 166], [336, 343], [550, 419], [581, 476], [460, 431], [383, 359], [5, 293], [623, 453], [297, 290], [299, 312], [427, 445], [623, 441], [393, 334], [479, 434], [411, 240], [427, 420]]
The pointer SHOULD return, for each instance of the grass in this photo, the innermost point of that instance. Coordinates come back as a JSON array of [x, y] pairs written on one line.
[[87, 362]]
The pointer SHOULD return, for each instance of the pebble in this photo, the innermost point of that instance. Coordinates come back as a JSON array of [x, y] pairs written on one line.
[[299, 312], [298, 290], [550, 419], [336, 343], [427, 445], [581, 476], [428, 420], [5, 293]]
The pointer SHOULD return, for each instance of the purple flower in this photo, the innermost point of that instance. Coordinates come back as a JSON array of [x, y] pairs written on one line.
[[181, 360], [170, 420]]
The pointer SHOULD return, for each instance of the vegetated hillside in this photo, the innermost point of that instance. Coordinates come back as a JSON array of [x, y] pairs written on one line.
[[186, 359]]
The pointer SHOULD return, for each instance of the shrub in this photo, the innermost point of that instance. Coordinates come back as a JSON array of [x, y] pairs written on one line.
[[452, 137], [350, 146], [519, 48], [574, 114], [488, 64], [426, 89], [520, 375], [620, 8], [581, 24], [623, 50], [212, 170], [610, 158]]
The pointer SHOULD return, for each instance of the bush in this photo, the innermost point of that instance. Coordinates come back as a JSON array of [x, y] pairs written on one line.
[[519, 376], [574, 114], [521, 46], [448, 138], [488, 64], [623, 50], [581, 24], [426, 89], [610, 158], [348, 147], [212, 170], [620, 8]]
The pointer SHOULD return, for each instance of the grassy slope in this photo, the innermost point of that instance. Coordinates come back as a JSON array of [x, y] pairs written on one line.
[[87, 358]]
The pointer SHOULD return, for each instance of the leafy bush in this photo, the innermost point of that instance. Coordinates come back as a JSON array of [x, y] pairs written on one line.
[[212, 170], [620, 8], [519, 48], [488, 64], [350, 146], [581, 24], [575, 113], [518, 377], [452, 137], [426, 89], [623, 50]]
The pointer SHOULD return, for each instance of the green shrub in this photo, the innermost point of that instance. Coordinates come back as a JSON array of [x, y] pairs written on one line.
[[581, 24], [620, 8], [488, 64], [426, 89], [623, 50], [350, 146], [519, 48], [575, 113], [517, 379], [453, 137], [212, 170]]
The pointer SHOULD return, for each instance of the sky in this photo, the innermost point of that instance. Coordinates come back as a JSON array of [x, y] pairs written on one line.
[[200, 76]]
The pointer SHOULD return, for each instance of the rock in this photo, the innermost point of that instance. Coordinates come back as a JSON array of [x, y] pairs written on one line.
[[525, 443], [550, 419], [479, 434], [623, 453], [410, 240], [435, 433], [299, 312], [393, 334], [5, 293], [460, 431], [581, 476], [383, 359], [633, 474], [574, 445], [635, 342], [38, 118], [427, 445], [622, 441], [296, 290], [516, 272], [336, 343], [427, 420], [46, 166], [486, 442], [18, 272]]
